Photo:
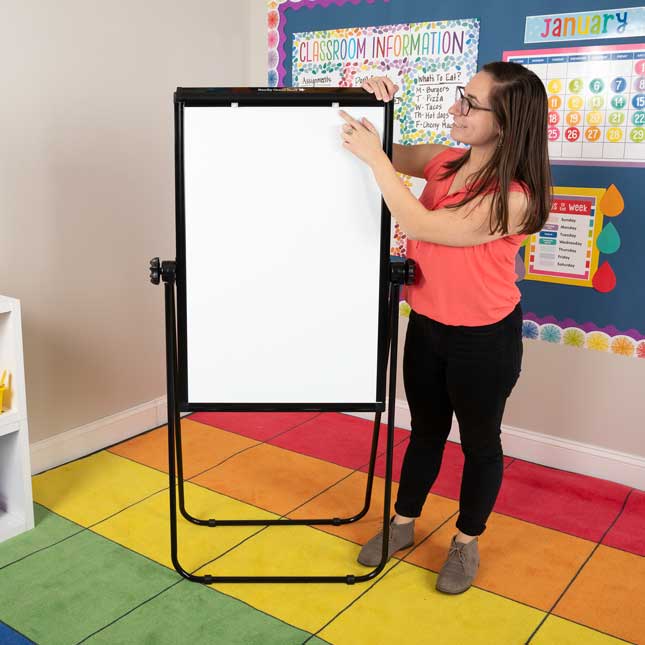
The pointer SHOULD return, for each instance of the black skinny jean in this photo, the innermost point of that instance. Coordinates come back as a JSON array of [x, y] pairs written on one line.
[[469, 371]]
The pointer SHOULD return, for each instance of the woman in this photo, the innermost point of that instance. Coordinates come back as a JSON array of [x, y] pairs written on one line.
[[463, 348]]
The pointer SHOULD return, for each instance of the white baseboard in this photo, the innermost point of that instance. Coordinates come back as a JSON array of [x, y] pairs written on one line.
[[84, 440], [548, 450], [535, 447]]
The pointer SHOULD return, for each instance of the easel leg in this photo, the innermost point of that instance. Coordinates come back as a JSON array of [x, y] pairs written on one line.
[[171, 380]]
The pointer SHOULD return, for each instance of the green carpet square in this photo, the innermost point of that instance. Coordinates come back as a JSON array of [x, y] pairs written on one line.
[[192, 613], [67, 592], [49, 529]]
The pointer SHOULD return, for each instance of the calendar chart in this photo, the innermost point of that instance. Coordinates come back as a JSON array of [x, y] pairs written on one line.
[[596, 101]]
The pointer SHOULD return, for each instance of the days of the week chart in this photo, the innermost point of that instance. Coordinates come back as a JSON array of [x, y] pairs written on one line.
[[596, 99]]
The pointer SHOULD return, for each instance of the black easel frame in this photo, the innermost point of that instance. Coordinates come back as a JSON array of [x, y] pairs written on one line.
[[400, 273], [393, 275]]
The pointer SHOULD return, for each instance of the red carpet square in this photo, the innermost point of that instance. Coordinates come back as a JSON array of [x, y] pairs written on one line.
[[628, 533], [576, 504], [338, 438], [255, 425]]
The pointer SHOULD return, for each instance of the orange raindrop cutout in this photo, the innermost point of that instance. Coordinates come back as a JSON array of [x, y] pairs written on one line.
[[604, 280], [611, 203]]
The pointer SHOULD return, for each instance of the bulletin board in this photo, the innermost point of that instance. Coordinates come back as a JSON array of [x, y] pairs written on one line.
[[605, 309]]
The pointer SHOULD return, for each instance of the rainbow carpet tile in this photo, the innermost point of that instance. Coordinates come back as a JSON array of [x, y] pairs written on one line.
[[562, 559]]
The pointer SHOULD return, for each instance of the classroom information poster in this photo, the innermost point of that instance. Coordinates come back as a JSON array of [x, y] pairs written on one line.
[[565, 251], [426, 59], [596, 102]]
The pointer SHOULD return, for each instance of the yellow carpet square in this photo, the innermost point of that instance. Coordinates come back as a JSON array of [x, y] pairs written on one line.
[[145, 527], [293, 550], [405, 607], [91, 489]]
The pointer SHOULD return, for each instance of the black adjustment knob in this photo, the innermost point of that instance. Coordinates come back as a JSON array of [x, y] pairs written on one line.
[[410, 271], [397, 270], [155, 271]]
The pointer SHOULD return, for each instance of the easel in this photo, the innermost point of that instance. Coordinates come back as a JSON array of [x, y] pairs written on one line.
[[398, 272]]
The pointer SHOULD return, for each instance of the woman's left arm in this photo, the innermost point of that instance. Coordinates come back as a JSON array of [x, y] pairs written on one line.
[[467, 225]]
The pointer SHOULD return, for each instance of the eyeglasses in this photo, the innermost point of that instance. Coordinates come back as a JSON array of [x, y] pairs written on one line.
[[465, 104]]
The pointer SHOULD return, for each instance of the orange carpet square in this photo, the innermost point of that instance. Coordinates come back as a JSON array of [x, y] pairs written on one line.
[[271, 478], [202, 447]]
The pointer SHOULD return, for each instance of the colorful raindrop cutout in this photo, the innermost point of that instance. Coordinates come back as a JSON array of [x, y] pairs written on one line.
[[604, 280], [612, 203], [609, 240]]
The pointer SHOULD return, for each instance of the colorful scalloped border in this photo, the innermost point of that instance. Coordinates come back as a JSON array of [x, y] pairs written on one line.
[[630, 343], [276, 21]]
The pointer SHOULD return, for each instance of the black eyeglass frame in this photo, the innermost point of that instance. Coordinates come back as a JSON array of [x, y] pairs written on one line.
[[464, 100]]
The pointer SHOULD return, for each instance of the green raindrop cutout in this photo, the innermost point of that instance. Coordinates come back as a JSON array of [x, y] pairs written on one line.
[[609, 240]]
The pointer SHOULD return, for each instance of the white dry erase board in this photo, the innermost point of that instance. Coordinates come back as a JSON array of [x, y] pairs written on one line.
[[282, 252]]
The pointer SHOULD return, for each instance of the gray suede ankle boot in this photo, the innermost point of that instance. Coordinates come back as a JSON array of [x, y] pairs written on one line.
[[459, 570], [401, 537]]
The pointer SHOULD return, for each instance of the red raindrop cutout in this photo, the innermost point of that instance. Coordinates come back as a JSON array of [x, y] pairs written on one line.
[[604, 279]]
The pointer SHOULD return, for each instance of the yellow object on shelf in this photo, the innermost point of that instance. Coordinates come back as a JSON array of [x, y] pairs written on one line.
[[3, 387]]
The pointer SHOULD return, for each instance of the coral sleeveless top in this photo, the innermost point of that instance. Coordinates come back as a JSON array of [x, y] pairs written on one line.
[[469, 285]]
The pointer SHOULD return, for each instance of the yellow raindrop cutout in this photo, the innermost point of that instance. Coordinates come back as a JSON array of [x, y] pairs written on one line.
[[612, 203]]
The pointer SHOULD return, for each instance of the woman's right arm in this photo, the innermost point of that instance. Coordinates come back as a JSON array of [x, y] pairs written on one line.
[[409, 160]]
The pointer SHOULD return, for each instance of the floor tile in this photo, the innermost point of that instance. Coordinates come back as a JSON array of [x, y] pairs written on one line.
[[203, 447], [49, 528], [145, 527], [346, 499], [91, 489], [192, 613], [557, 631], [519, 560], [338, 438], [575, 504], [272, 478], [255, 425], [628, 533], [293, 550], [76, 587], [608, 595], [405, 607]]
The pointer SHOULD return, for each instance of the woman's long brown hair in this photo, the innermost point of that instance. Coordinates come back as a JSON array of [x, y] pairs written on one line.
[[519, 103]]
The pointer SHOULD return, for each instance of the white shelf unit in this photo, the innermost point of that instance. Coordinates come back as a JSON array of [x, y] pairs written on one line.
[[16, 503]]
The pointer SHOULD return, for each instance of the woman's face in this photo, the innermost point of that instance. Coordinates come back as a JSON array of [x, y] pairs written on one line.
[[478, 127]]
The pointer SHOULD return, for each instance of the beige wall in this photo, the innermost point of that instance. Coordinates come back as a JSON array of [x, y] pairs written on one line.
[[573, 394], [87, 192]]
